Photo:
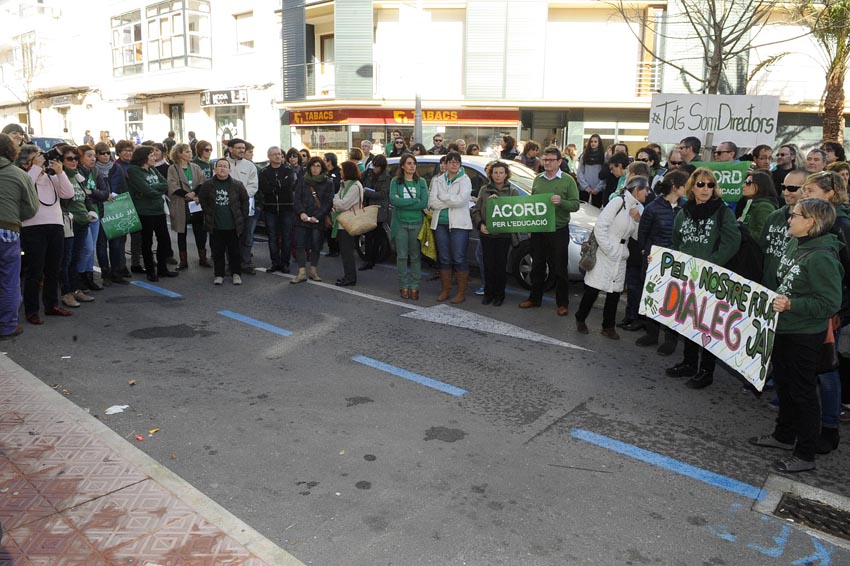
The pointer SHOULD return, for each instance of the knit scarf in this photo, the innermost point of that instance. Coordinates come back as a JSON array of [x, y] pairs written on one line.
[[103, 169], [314, 180]]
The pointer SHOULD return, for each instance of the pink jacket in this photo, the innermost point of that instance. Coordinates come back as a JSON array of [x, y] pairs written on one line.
[[51, 188]]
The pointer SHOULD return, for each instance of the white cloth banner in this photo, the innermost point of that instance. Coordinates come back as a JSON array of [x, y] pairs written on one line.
[[730, 316], [746, 120]]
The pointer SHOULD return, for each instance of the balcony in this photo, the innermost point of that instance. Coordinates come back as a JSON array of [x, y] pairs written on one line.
[[319, 79], [648, 78]]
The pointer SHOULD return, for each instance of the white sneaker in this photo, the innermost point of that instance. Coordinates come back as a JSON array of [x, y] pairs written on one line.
[[237, 279], [218, 280]]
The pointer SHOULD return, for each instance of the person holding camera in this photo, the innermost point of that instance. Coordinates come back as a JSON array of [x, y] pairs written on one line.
[[42, 236]]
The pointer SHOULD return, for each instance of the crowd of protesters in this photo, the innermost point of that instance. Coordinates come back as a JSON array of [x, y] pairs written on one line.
[[794, 206]]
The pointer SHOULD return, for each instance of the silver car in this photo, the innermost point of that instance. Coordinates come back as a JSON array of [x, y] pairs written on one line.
[[522, 178]]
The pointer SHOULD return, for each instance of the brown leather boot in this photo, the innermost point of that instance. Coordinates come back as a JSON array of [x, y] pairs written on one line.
[[462, 284], [202, 258], [445, 284], [184, 261]]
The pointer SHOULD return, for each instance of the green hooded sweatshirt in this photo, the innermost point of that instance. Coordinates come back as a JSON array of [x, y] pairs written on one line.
[[773, 241], [146, 187], [698, 231], [810, 275]]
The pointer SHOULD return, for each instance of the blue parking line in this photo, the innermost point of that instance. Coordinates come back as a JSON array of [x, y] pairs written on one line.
[[632, 451], [518, 293], [156, 289], [256, 323], [403, 373]]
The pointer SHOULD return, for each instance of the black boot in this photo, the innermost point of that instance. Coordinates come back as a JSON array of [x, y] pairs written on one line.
[[828, 440], [91, 284], [701, 380]]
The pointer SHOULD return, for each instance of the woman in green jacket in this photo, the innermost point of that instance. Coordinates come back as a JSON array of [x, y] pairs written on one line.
[[409, 197], [705, 228], [809, 294], [495, 247], [147, 187], [762, 200]]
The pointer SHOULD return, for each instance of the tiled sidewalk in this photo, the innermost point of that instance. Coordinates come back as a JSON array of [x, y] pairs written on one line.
[[72, 492]]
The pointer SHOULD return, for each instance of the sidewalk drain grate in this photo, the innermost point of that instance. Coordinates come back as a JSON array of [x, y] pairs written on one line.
[[816, 515]]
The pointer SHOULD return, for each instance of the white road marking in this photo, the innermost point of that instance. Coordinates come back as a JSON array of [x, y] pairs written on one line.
[[444, 314]]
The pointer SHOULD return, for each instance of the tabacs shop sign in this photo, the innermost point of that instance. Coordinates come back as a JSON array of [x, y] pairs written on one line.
[[393, 117], [232, 97]]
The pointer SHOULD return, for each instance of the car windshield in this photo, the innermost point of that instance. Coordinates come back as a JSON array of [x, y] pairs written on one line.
[[521, 176]]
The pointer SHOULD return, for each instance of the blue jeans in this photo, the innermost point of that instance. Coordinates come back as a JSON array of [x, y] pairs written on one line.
[[10, 290], [84, 244], [247, 241], [830, 395], [279, 228], [451, 247]]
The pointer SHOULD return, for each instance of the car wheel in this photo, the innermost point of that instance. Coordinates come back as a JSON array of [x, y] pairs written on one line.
[[382, 253], [521, 264], [360, 245]]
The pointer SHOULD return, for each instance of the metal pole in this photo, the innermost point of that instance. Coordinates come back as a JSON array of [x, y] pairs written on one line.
[[417, 119]]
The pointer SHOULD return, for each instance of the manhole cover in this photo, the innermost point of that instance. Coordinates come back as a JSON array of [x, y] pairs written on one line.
[[816, 515]]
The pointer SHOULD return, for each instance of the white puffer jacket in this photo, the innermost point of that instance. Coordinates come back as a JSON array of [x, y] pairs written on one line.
[[614, 227]]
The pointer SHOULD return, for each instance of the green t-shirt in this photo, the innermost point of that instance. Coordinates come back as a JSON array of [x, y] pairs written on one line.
[[223, 215]]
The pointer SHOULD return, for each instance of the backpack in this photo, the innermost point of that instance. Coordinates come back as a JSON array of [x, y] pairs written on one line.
[[748, 262]]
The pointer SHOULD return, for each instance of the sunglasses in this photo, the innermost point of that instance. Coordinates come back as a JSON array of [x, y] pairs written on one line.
[[702, 184], [642, 159], [722, 151], [749, 182], [828, 175], [69, 158], [438, 141], [103, 153], [791, 188], [675, 163]]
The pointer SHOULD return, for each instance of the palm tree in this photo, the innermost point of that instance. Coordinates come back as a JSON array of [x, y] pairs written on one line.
[[829, 22]]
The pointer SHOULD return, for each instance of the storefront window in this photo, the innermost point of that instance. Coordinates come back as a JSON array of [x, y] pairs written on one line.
[[229, 123], [324, 138]]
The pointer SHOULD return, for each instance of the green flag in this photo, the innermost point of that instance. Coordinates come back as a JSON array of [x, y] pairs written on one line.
[[730, 176]]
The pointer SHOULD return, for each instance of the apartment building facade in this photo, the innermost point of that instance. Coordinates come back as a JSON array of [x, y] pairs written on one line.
[[325, 74]]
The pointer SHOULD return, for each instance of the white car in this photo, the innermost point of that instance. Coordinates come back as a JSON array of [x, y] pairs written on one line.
[[519, 260]]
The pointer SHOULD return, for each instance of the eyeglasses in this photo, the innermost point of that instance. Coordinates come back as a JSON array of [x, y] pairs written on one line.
[[545, 159], [69, 158], [675, 163], [701, 184], [103, 153], [791, 188], [796, 215]]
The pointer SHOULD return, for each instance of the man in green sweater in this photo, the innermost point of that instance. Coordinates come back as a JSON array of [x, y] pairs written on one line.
[[18, 202], [553, 247]]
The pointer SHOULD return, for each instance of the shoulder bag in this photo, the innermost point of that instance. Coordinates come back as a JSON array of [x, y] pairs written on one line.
[[359, 219]]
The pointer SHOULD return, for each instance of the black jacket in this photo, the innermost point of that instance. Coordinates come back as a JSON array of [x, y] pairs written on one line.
[[656, 225], [380, 193], [277, 185], [238, 200], [306, 202]]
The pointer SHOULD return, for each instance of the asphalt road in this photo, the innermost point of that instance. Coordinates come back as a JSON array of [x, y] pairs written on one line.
[[343, 463]]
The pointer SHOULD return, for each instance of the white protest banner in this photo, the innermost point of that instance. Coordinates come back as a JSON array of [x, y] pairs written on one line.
[[730, 316], [745, 120]]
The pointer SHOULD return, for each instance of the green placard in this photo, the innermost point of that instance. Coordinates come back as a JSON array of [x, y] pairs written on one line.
[[730, 175], [520, 214]]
